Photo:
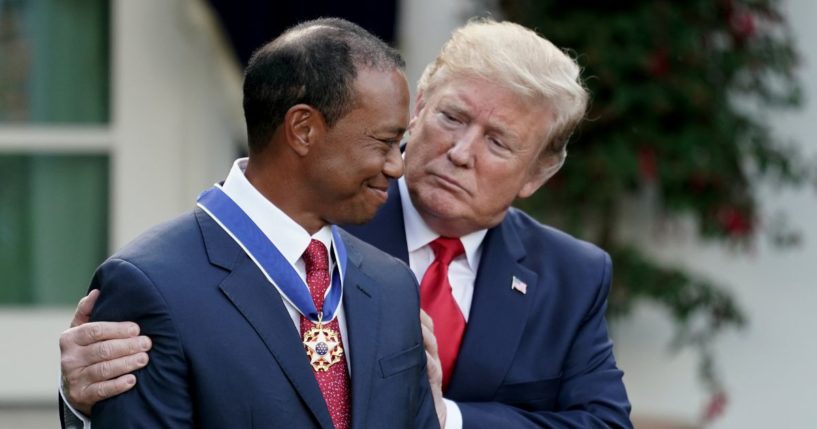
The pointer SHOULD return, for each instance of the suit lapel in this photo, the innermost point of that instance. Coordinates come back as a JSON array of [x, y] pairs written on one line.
[[497, 318], [386, 231], [261, 305], [362, 309]]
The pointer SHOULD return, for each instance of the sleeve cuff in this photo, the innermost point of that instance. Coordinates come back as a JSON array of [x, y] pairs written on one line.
[[453, 418], [73, 418]]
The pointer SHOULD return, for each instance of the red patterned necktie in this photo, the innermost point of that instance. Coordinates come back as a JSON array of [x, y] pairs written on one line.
[[437, 301], [334, 382]]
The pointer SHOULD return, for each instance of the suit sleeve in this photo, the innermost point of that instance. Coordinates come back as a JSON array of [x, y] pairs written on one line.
[[592, 393], [426, 417], [161, 397]]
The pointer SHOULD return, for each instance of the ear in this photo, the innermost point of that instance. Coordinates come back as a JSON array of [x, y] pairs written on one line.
[[303, 127], [540, 173], [419, 105]]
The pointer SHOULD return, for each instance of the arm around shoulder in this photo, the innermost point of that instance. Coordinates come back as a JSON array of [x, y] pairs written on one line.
[[161, 396]]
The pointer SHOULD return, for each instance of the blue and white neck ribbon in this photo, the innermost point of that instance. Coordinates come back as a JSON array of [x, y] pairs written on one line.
[[238, 225]]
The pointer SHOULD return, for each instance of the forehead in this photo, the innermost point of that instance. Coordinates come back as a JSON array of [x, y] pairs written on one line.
[[496, 106], [381, 97]]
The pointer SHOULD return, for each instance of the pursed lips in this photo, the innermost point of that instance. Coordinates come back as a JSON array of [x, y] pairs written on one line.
[[451, 183]]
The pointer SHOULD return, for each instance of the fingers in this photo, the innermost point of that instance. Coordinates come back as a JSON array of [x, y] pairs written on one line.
[[75, 357], [106, 359], [87, 385], [108, 370], [435, 380], [429, 340], [84, 308], [94, 332], [434, 371], [114, 349], [97, 357], [434, 368], [85, 398]]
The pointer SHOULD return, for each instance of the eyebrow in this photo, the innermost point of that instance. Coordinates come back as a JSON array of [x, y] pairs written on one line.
[[504, 133], [492, 126], [396, 131]]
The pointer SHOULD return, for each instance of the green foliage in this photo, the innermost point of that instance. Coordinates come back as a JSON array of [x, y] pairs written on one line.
[[680, 93]]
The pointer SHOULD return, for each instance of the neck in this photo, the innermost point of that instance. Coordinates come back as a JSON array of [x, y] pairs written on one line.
[[277, 184]]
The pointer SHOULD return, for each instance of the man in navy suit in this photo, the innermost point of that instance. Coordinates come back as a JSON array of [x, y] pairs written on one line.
[[224, 291], [516, 308]]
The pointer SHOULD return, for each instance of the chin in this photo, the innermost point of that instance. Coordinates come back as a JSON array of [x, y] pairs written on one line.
[[357, 217], [441, 205]]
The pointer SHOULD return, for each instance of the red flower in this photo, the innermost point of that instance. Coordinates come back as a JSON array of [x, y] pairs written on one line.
[[715, 407], [734, 222], [647, 164], [742, 24]]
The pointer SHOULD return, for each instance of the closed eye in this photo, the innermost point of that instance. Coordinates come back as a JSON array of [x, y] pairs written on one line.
[[498, 144], [450, 118]]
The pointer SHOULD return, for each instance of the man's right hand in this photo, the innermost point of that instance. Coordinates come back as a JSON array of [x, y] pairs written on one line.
[[96, 358]]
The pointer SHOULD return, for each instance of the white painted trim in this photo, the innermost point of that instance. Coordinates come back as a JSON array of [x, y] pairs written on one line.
[[60, 139], [30, 362]]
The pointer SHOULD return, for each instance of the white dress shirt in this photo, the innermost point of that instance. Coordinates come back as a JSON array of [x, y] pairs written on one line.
[[290, 238], [462, 272]]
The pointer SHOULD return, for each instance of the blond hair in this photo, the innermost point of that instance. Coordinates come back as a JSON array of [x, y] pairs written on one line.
[[524, 62]]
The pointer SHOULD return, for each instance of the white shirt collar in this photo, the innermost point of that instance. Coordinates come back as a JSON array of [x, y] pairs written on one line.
[[418, 233], [288, 236]]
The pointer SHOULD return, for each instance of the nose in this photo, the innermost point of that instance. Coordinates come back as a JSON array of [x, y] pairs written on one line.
[[393, 168], [461, 153]]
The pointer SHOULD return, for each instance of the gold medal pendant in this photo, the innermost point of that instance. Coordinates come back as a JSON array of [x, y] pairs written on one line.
[[323, 347]]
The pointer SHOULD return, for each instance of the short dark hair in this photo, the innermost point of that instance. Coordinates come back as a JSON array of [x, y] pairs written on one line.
[[313, 63]]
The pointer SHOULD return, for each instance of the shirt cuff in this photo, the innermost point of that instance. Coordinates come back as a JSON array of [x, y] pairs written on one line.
[[73, 418], [453, 418]]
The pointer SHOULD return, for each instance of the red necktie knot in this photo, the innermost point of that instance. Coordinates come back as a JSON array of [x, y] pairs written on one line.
[[316, 262], [446, 249], [315, 257]]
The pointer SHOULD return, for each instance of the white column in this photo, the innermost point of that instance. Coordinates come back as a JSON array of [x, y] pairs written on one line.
[[176, 111], [423, 27]]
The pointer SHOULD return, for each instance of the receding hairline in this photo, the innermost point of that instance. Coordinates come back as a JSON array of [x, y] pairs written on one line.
[[293, 35]]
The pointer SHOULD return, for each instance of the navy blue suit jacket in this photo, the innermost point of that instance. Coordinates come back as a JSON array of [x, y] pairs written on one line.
[[225, 351], [541, 359]]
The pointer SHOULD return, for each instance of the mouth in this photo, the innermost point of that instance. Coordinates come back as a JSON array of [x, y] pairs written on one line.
[[450, 183], [380, 193]]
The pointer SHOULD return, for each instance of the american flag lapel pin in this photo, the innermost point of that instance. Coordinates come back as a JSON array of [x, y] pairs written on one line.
[[519, 286]]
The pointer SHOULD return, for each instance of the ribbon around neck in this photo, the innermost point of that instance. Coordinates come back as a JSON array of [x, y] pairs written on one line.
[[238, 225]]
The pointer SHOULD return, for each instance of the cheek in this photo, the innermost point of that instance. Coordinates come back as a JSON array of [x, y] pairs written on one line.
[[430, 142]]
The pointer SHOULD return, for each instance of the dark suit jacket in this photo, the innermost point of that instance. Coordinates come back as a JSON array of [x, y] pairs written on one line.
[[225, 351], [540, 359]]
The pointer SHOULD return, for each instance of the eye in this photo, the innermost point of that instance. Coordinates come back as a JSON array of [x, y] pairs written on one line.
[[449, 118], [497, 144], [386, 144]]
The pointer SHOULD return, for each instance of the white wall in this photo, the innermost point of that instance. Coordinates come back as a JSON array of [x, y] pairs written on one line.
[[177, 107], [176, 128], [769, 369]]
